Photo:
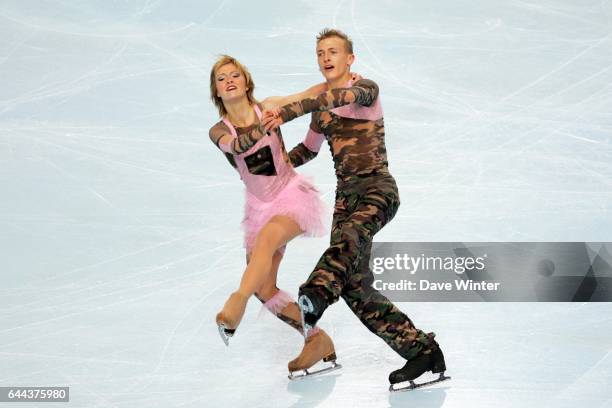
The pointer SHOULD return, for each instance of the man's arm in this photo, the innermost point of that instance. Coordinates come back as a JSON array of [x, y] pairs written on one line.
[[363, 92], [309, 148], [300, 154], [273, 102]]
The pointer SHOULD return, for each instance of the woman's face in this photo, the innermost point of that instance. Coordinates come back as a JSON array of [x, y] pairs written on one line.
[[231, 83]]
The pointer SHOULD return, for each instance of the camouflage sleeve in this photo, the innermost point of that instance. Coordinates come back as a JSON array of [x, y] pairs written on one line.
[[363, 92], [216, 133], [239, 144], [366, 92], [300, 154], [309, 148]]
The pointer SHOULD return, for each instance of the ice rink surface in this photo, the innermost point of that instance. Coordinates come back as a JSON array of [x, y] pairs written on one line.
[[120, 220]]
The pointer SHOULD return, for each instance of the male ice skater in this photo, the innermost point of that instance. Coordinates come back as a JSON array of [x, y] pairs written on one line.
[[349, 116]]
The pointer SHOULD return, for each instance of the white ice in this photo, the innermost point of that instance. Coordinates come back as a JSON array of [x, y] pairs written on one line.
[[120, 220]]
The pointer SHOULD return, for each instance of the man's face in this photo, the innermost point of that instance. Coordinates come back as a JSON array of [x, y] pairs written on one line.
[[333, 59]]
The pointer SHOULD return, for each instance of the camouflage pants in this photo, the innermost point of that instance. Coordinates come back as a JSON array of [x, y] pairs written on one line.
[[363, 206]]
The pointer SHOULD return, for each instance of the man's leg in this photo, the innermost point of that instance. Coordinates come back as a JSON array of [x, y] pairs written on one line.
[[362, 209], [376, 312], [381, 316], [324, 283]]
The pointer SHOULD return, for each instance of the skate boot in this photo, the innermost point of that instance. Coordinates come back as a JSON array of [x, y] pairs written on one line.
[[318, 346], [312, 306], [419, 365], [229, 318]]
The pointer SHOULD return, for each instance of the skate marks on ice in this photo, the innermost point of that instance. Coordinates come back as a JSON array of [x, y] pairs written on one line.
[[415, 385], [422, 398], [313, 391]]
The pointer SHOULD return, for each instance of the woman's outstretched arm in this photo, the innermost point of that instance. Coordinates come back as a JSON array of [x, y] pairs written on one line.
[[273, 102]]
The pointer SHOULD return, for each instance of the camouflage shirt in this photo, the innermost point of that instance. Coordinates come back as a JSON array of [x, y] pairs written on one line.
[[351, 121]]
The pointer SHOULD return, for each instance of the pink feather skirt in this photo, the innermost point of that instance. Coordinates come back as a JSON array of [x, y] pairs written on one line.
[[299, 200]]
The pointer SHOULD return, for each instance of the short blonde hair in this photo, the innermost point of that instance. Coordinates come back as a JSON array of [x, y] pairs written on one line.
[[332, 32], [224, 60]]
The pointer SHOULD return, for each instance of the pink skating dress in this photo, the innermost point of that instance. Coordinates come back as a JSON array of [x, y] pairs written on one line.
[[273, 187]]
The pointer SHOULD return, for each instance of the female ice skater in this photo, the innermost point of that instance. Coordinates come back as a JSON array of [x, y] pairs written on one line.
[[280, 203]]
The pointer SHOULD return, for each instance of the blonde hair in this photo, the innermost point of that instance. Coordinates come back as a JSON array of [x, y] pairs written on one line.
[[250, 85], [332, 32]]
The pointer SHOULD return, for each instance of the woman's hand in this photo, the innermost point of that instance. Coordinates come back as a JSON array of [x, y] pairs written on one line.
[[271, 119]]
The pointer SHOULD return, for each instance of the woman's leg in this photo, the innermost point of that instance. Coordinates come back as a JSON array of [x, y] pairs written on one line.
[[272, 236], [276, 233], [277, 301], [319, 346]]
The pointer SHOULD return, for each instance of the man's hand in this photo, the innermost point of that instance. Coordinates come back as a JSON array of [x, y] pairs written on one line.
[[271, 119]]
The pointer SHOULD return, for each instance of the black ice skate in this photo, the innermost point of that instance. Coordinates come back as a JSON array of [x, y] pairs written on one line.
[[416, 367], [312, 307]]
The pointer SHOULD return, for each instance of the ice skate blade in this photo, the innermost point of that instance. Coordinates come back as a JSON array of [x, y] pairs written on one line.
[[334, 366], [225, 333], [414, 386]]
